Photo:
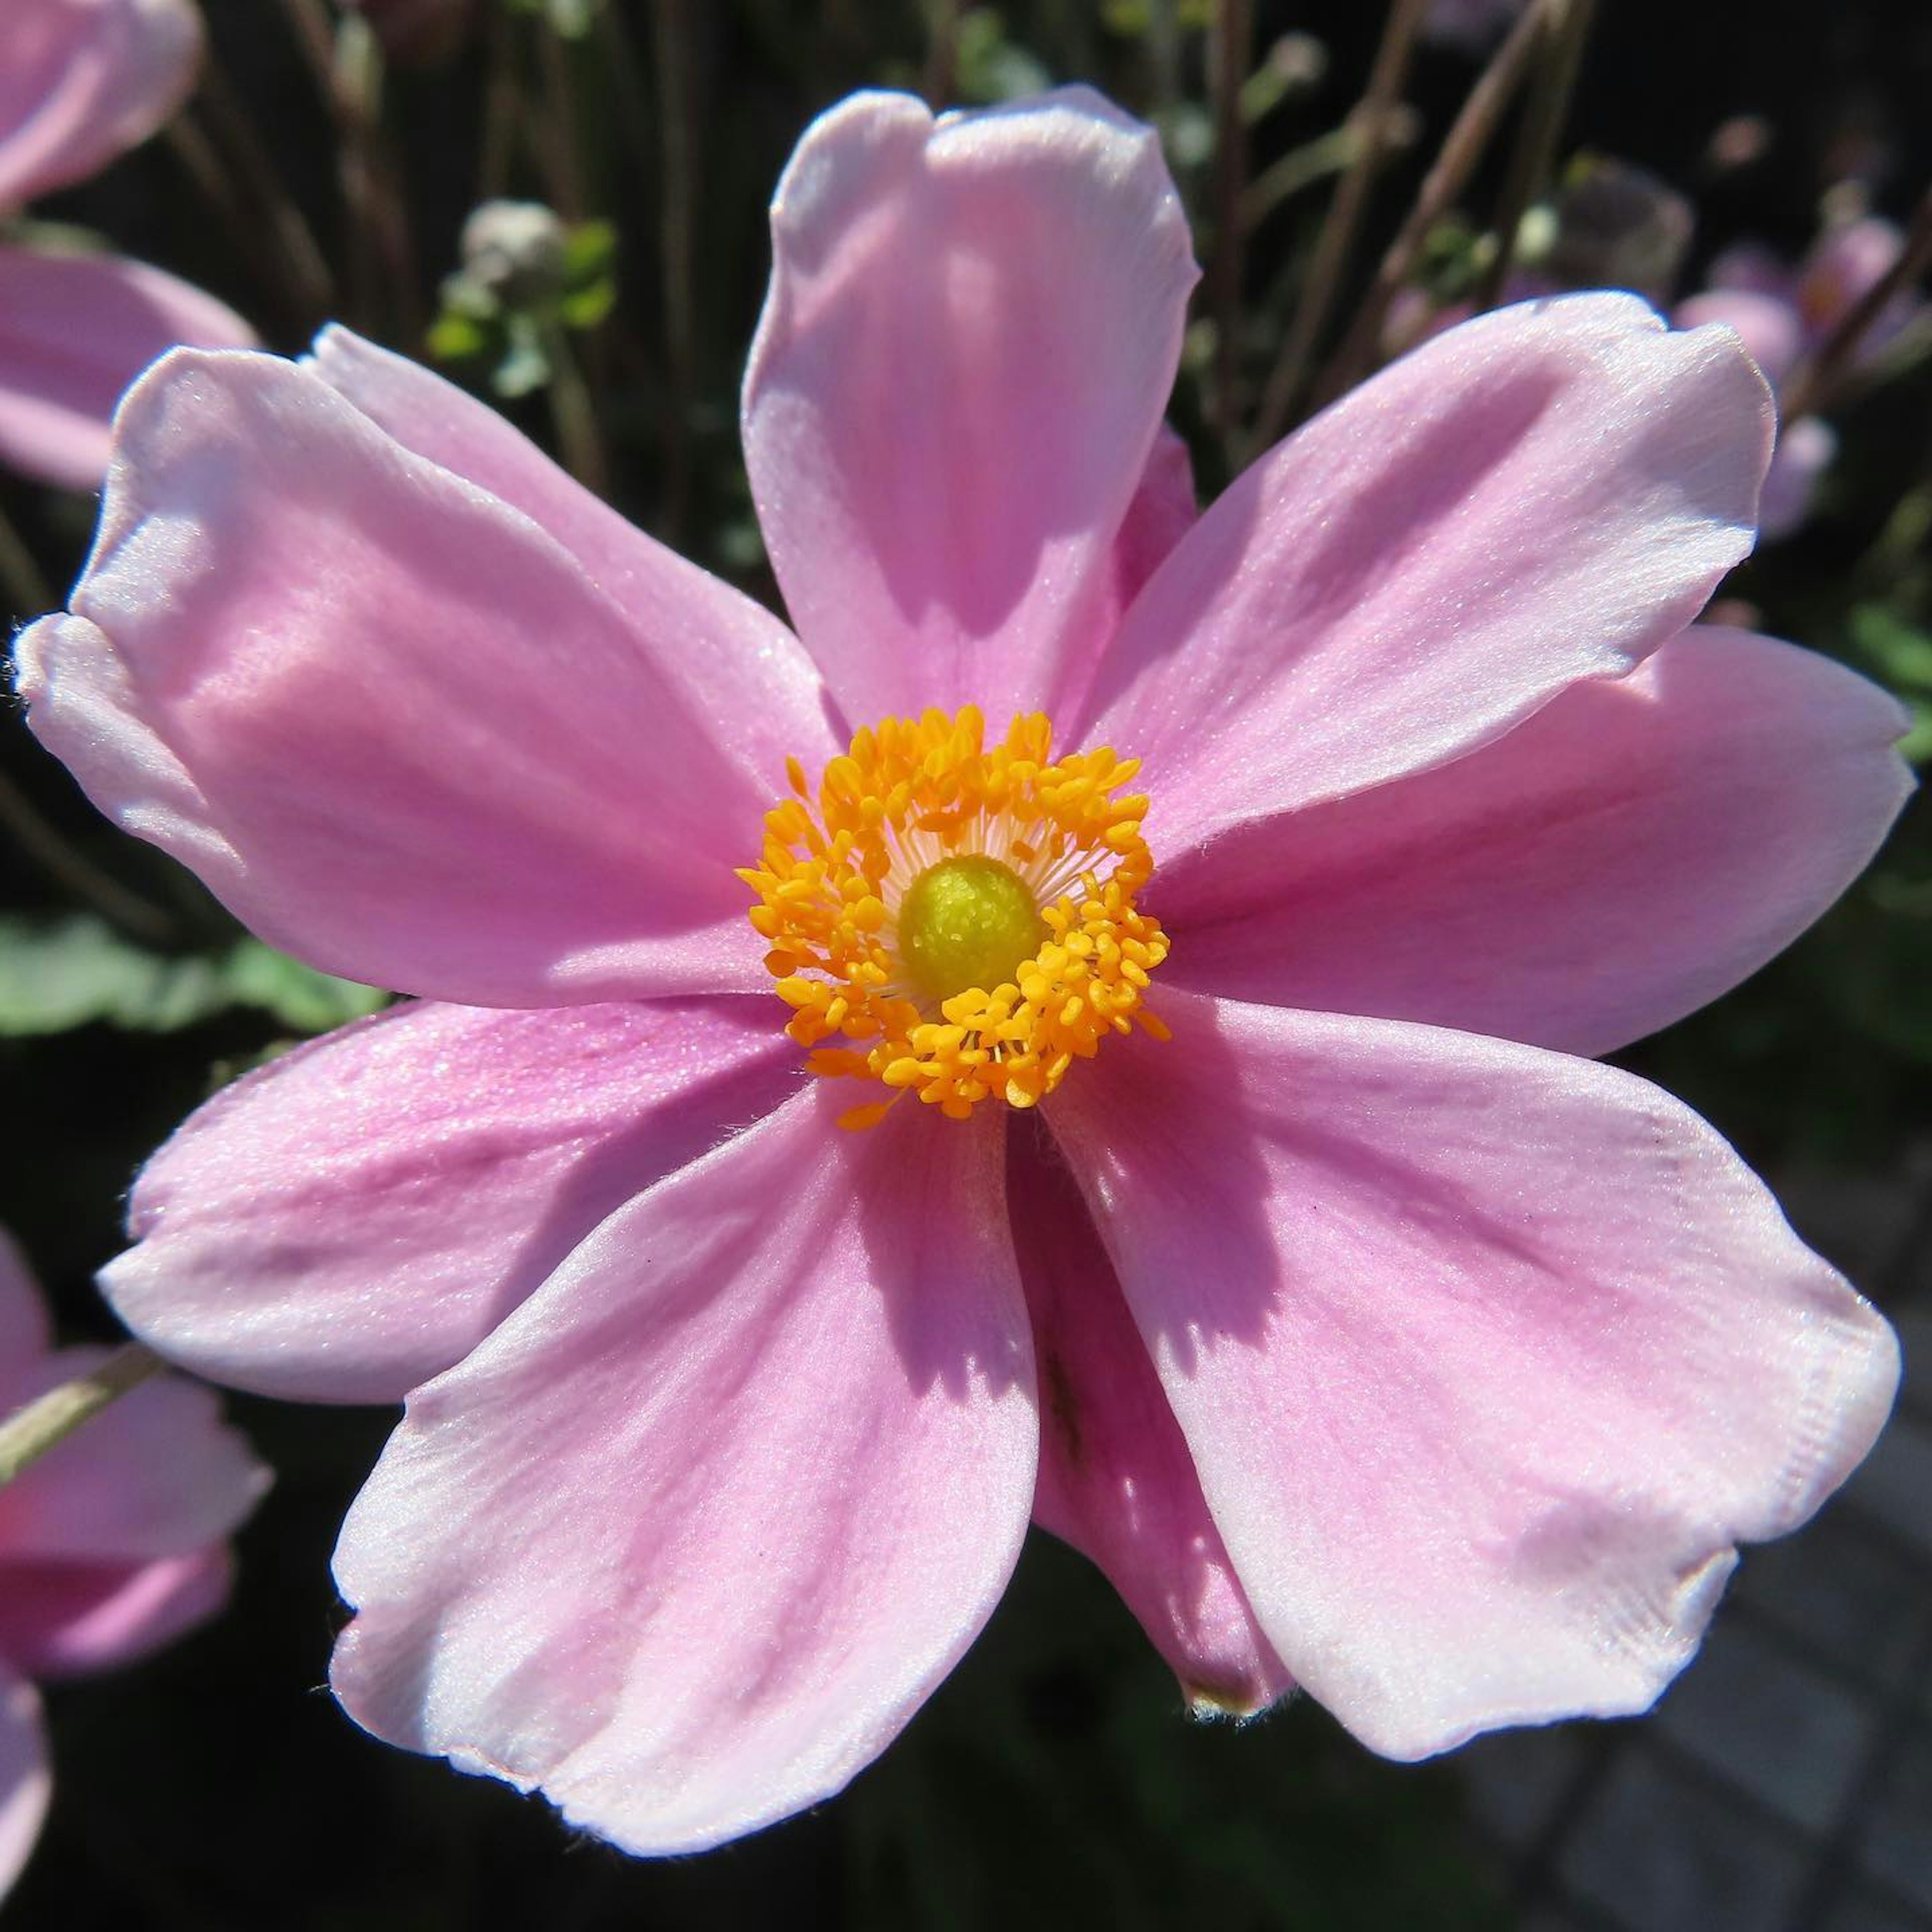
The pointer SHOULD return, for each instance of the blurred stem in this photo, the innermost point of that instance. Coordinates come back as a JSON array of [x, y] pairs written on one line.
[[1815, 384], [579, 440], [248, 180], [1299, 169], [1535, 157], [1366, 122], [942, 52], [500, 105], [38, 838], [30, 1432], [28, 590], [554, 134], [1463, 147], [1230, 53], [676, 80]]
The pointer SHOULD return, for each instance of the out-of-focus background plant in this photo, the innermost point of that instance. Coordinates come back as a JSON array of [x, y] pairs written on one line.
[[561, 203]]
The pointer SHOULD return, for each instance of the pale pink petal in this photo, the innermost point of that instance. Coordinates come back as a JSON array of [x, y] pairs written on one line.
[[1619, 860], [75, 330], [1768, 325], [973, 326], [396, 727], [71, 1619], [353, 1218], [81, 80], [1806, 449], [1543, 495], [155, 1474], [687, 1540], [26, 1777], [1116, 1479], [752, 680], [1487, 1356], [24, 1330]]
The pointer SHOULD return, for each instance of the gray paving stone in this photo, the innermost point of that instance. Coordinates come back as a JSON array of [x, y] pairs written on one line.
[[1896, 1844], [1862, 1909], [1661, 1851], [1513, 1781], [1770, 1723], [1860, 1603], [1895, 1483]]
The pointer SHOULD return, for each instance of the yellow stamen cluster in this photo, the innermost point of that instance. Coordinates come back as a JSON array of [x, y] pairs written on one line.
[[913, 798]]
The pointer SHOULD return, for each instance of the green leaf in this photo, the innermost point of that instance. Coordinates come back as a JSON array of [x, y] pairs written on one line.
[[78, 971]]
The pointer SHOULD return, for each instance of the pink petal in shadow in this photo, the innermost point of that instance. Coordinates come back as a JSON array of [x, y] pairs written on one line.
[[26, 1778], [687, 1540], [353, 1218], [71, 1619], [1487, 1357]]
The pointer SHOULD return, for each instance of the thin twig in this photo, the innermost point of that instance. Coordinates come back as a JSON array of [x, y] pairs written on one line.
[[20, 577], [1333, 248], [1813, 385], [502, 108], [579, 441], [30, 1432], [50, 849], [1534, 157], [554, 136], [677, 228], [942, 53], [1463, 146], [1229, 57]]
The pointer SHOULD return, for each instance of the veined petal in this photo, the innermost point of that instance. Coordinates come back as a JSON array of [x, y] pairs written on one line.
[[972, 328], [156, 1474], [688, 1539], [83, 80], [1116, 1479], [1633, 849], [26, 1778], [752, 681], [69, 1619], [75, 330], [353, 1218], [1487, 1356], [396, 727], [1542, 495]]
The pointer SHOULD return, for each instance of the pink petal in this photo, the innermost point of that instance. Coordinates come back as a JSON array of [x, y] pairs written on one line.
[[71, 1619], [75, 330], [1543, 495], [1633, 849], [25, 1333], [26, 1778], [687, 1540], [1768, 325], [1116, 1479], [972, 329], [755, 684], [354, 1217], [83, 80], [155, 1475], [1806, 449], [1487, 1356], [398, 728]]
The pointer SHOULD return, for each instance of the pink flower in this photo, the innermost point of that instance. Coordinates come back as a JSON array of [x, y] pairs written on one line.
[[1784, 315], [80, 81], [112, 1544], [1366, 1336]]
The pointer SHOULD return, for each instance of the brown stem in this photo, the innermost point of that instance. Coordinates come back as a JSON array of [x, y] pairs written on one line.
[[942, 53], [1815, 383], [1464, 145], [676, 80], [1535, 156], [1229, 53], [27, 1435]]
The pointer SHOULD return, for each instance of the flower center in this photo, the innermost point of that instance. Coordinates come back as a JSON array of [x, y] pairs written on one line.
[[959, 921], [966, 923]]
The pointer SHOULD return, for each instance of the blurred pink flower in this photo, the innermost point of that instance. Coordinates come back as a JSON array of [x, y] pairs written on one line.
[[1365, 1335], [112, 1544], [80, 81], [1784, 314]]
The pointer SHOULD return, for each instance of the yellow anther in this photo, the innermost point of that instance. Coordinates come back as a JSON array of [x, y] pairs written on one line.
[[963, 915]]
